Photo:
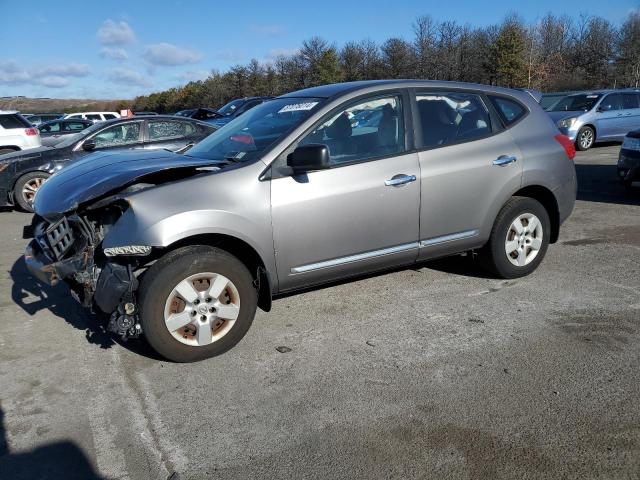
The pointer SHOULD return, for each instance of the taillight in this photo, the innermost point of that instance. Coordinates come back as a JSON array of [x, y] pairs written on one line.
[[31, 132], [567, 144]]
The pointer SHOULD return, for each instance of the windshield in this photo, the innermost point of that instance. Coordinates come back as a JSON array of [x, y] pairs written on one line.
[[250, 134], [71, 139], [230, 107], [575, 103]]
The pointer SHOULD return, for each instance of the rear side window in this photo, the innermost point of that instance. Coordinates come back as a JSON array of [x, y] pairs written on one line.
[[447, 118], [165, 130], [14, 121], [109, 116], [510, 110]]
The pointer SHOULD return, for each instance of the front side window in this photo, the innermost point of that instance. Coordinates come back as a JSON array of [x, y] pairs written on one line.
[[50, 128], [448, 118], [230, 108], [165, 130], [121, 134], [350, 138], [248, 136], [612, 102]]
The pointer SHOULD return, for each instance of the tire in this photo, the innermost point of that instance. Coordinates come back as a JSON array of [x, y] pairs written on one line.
[[21, 197], [187, 264], [503, 235], [585, 139]]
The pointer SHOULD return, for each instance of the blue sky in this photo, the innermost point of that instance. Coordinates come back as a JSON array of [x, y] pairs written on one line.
[[119, 49]]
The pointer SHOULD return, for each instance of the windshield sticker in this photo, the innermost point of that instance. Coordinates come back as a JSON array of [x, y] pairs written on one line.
[[296, 107]]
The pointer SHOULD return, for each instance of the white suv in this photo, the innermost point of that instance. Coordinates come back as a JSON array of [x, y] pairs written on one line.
[[94, 116], [16, 133]]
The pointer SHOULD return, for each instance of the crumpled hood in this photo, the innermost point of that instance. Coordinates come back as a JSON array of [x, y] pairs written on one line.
[[102, 173], [557, 116]]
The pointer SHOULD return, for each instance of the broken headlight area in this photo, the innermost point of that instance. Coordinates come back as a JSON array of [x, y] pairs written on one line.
[[69, 249]]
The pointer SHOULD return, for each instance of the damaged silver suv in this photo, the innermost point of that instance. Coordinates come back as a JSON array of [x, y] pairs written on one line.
[[311, 187]]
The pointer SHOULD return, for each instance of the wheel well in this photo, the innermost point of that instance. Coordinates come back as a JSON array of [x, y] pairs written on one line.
[[243, 252], [548, 201]]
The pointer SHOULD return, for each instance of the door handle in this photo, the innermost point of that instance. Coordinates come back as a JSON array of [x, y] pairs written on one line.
[[503, 160], [399, 179]]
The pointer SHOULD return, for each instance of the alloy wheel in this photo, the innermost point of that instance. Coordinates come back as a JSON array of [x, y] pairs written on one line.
[[202, 309], [524, 239], [31, 187], [586, 138]]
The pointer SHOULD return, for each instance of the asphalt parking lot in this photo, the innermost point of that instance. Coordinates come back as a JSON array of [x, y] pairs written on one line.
[[433, 372]]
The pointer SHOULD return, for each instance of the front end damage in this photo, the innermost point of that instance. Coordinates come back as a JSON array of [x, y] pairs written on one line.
[[68, 250]]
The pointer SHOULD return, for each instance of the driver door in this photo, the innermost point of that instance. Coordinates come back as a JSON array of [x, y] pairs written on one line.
[[361, 214]]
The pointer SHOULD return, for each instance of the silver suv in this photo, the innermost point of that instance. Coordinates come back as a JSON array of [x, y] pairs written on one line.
[[308, 188], [600, 116]]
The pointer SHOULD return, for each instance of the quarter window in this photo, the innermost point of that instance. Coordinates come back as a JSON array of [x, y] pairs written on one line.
[[164, 130], [448, 118], [510, 110], [121, 134], [369, 129]]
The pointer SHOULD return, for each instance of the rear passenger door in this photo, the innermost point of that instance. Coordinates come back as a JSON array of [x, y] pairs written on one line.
[[468, 160]]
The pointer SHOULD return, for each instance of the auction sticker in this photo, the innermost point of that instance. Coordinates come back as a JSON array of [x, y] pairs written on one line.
[[296, 107]]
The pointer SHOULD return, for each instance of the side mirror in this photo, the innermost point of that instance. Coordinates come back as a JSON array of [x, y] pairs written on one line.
[[604, 108], [309, 157], [89, 145]]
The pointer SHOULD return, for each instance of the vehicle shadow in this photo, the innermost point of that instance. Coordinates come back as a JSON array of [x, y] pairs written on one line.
[[58, 460]]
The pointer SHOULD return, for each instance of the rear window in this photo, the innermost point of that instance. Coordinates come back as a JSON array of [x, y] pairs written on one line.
[[14, 120], [510, 110]]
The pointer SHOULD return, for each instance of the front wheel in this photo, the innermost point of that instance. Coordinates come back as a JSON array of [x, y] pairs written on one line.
[[519, 238], [196, 302], [585, 138], [26, 188]]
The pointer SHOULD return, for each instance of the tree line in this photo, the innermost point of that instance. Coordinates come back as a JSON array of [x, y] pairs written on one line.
[[556, 53]]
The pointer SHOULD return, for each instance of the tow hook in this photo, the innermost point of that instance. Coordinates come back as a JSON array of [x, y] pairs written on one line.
[[124, 321]]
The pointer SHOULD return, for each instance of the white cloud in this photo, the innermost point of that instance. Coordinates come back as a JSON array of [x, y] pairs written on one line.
[[53, 81], [268, 30], [69, 70], [167, 54], [47, 76], [117, 54], [126, 76], [193, 75], [116, 33], [281, 52]]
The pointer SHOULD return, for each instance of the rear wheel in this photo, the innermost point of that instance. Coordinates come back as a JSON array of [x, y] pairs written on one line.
[[196, 302], [585, 138], [519, 238], [26, 187]]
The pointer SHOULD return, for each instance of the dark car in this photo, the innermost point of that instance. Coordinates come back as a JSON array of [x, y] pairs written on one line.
[[22, 173], [203, 114], [37, 118], [629, 159], [55, 131], [234, 109]]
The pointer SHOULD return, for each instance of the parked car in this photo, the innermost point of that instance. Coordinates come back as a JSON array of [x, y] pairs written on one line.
[[629, 160], [290, 195], [36, 119], [55, 131], [144, 114], [203, 114], [16, 133], [599, 116], [22, 173], [234, 109], [94, 116]]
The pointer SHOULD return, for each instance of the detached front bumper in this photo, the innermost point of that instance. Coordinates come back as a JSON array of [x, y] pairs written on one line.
[[49, 271]]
